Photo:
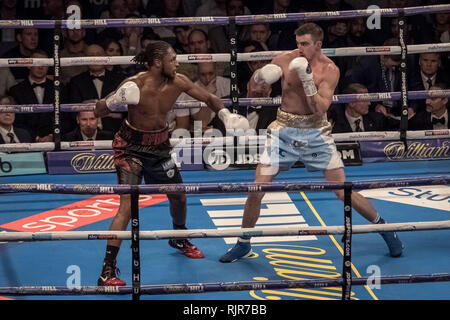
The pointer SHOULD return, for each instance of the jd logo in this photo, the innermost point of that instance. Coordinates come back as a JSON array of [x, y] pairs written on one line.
[[5, 166]]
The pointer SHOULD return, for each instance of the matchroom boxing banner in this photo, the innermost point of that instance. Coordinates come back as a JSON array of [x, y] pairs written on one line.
[[418, 149]]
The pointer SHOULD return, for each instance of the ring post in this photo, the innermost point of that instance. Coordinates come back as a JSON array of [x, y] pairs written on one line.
[[234, 91], [404, 80], [347, 239], [56, 83], [136, 265]]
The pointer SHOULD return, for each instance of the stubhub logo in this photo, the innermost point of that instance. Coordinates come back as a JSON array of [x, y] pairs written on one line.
[[436, 197]]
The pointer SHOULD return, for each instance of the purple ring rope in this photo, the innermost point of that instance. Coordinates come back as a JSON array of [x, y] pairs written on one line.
[[341, 98], [152, 22], [232, 187], [158, 289]]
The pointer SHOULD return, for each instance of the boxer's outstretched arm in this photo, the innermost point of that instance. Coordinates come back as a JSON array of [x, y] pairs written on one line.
[[100, 109], [126, 94], [230, 120], [199, 93]]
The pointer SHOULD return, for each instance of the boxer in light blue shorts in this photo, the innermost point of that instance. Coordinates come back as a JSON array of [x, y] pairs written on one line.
[[305, 138], [301, 131]]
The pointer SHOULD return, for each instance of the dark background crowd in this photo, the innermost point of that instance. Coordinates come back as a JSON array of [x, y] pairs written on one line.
[[86, 84]]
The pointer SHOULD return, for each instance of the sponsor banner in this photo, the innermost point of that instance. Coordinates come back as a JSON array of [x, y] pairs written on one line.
[[188, 159], [74, 162], [15, 164], [102, 161], [245, 157], [350, 153], [418, 149], [78, 214]]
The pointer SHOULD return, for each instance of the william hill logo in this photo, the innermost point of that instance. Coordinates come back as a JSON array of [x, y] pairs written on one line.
[[417, 151], [88, 162]]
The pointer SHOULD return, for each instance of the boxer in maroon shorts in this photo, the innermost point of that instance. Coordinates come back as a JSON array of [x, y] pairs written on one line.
[[142, 147]]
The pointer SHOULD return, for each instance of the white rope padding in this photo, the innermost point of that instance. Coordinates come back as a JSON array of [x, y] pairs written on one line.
[[226, 57], [220, 141], [229, 232]]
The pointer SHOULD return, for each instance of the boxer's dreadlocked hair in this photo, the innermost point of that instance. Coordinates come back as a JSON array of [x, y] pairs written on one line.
[[154, 50]]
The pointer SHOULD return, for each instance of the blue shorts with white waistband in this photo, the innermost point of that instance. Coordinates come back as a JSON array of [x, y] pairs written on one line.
[[314, 147]]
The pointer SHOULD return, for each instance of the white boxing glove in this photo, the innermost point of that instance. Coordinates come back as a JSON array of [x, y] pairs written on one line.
[[303, 69], [269, 74], [128, 93], [233, 120]]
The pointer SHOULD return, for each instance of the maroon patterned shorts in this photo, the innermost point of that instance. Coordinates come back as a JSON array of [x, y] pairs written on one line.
[[145, 154]]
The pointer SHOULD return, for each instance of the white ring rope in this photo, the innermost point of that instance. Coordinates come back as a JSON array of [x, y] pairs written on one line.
[[225, 57], [229, 232], [251, 140]]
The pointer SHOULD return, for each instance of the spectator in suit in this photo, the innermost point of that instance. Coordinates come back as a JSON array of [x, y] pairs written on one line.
[[8, 11], [52, 10], [199, 44], [112, 48], [74, 46], [440, 25], [117, 9], [165, 9], [431, 71], [96, 84], [131, 38], [148, 37], [217, 85], [355, 116], [220, 35], [436, 115], [357, 36], [181, 45], [27, 39], [211, 8], [87, 129], [382, 74], [246, 69], [8, 132], [136, 7], [37, 88], [7, 80], [260, 32], [84, 9], [281, 32], [337, 30]]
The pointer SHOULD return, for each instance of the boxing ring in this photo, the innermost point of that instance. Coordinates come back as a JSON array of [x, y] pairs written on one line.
[[297, 241]]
